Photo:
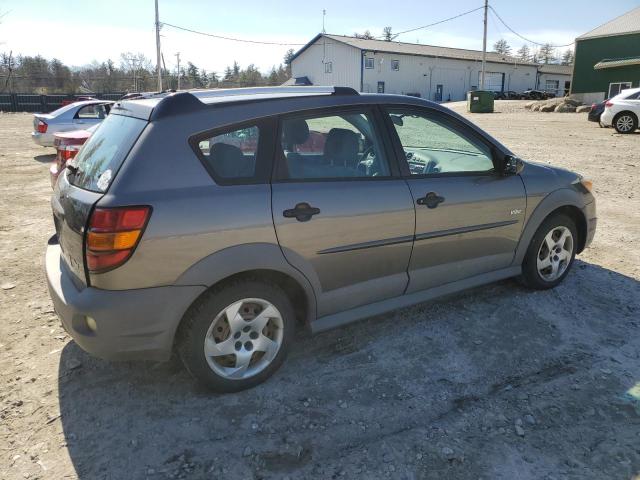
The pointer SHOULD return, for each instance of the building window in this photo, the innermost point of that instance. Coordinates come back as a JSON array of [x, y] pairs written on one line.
[[616, 88], [368, 62], [552, 86], [380, 87], [395, 65], [328, 67]]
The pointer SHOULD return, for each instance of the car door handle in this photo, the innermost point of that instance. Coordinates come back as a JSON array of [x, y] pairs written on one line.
[[431, 200], [302, 212]]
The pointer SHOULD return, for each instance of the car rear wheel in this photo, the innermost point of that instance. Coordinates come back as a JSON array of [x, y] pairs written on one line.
[[625, 122], [236, 337], [551, 253]]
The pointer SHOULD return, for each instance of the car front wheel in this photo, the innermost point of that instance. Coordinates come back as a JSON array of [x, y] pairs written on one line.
[[551, 253], [625, 122], [236, 337]]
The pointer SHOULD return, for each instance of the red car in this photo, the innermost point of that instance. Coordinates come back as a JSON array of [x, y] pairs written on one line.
[[79, 98], [67, 145]]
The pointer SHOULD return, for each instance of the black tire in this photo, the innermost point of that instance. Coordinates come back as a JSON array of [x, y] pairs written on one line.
[[530, 276], [630, 117], [193, 330]]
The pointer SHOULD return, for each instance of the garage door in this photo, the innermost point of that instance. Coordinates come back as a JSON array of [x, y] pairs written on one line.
[[493, 81]]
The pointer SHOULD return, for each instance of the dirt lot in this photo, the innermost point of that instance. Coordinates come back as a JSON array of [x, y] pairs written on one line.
[[501, 382]]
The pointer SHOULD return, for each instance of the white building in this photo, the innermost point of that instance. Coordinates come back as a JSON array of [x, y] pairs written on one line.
[[434, 73]]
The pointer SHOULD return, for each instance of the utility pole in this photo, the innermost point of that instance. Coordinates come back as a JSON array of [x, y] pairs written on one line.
[[324, 14], [178, 57], [158, 60], [484, 45]]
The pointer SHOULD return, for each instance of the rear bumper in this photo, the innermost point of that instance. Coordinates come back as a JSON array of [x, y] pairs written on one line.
[[607, 117], [42, 139], [131, 324]]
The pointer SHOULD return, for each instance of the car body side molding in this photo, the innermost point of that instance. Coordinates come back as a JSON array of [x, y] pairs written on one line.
[[338, 319]]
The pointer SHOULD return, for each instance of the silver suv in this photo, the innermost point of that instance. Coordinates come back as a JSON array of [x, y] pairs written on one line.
[[211, 223]]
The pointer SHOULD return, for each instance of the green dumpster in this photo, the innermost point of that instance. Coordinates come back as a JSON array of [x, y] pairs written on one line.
[[480, 101]]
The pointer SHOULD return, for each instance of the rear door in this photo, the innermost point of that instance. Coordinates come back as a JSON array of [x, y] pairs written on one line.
[[468, 216], [342, 215], [86, 180]]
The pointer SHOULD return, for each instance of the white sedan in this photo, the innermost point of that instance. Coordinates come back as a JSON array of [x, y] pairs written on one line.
[[75, 116], [622, 111]]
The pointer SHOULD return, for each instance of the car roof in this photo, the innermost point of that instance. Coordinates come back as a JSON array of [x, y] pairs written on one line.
[[154, 106]]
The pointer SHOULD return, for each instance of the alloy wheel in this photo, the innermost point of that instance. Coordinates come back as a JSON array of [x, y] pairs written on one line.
[[624, 123], [244, 338], [555, 253]]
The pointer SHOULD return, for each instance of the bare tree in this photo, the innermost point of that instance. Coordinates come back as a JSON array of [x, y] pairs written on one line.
[[547, 54], [567, 57], [386, 34], [365, 36]]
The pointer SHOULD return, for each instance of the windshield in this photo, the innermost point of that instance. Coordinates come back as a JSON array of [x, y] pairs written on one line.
[[99, 159]]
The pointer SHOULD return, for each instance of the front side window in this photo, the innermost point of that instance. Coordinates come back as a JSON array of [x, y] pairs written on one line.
[[432, 147], [328, 67], [335, 146], [395, 65], [368, 62], [231, 154]]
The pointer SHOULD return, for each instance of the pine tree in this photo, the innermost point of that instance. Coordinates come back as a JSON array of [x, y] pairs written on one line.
[[524, 54], [501, 46], [567, 57], [547, 54]]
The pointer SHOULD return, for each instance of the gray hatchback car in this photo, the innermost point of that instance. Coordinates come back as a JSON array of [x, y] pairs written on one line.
[[211, 223]]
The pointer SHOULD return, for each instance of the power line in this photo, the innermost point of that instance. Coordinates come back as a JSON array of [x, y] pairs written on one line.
[[233, 39], [437, 23], [493, 10]]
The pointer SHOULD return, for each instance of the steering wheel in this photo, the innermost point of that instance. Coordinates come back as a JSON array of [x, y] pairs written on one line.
[[370, 151]]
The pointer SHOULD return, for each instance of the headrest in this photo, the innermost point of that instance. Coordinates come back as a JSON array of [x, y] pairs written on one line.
[[295, 132]]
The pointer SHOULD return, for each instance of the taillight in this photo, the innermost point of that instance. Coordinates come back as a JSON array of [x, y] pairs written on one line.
[[42, 127], [113, 235], [68, 152], [608, 104]]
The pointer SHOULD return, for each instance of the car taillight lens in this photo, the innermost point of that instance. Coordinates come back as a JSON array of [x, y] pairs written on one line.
[[42, 127], [112, 236], [608, 104], [69, 152]]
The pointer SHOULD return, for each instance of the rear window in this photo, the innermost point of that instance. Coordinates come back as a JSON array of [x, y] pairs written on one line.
[[100, 158]]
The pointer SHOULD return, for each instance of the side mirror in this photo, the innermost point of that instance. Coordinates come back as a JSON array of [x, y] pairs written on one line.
[[512, 165]]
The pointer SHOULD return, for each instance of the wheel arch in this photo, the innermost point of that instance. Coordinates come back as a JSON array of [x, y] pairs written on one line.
[[629, 112], [262, 261], [565, 201]]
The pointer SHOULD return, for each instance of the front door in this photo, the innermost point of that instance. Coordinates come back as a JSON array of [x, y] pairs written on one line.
[[341, 215], [468, 217]]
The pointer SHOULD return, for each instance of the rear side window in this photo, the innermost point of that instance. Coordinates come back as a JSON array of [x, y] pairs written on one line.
[[100, 158], [232, 154]]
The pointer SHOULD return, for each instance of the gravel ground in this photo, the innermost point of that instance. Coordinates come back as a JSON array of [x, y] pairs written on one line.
[[497, 383]]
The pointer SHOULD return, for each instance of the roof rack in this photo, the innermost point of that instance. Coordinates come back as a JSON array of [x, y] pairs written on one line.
[[223, 94]]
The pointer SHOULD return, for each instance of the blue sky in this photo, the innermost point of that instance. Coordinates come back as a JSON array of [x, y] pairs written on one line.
[[79, 32]]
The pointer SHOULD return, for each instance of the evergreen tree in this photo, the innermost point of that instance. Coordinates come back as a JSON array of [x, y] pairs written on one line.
[[524, 54], [501, 46], [547, 54], [567, 57]]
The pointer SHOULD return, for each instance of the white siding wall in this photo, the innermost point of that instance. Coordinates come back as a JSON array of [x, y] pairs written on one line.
[[423, 74], [416, 74], [542, 84], [345, 61]]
